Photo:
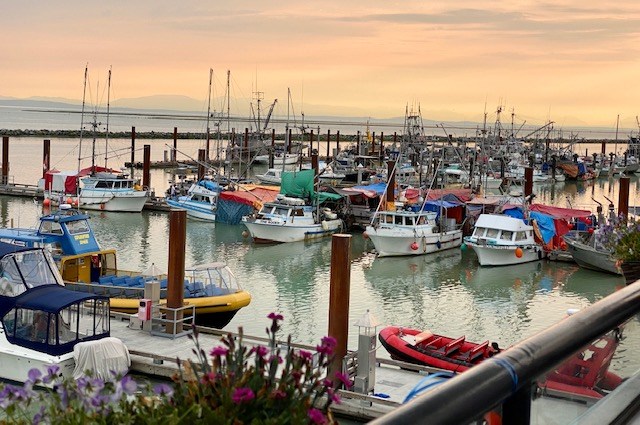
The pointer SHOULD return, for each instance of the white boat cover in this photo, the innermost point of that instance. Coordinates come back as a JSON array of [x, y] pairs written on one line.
[[101, 357]]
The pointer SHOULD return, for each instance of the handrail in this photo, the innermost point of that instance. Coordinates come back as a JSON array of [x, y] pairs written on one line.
[[487, 385]]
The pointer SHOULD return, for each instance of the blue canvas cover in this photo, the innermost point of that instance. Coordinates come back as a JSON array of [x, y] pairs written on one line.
[[545, 224]]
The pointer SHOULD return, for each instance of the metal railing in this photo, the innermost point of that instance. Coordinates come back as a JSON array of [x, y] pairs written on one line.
[[509, 378]]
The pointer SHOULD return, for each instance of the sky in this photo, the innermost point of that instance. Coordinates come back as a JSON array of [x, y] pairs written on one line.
[[575, 62]]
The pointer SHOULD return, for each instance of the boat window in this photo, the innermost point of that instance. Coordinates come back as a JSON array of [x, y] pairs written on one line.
[[50, 228], [35, 268], [492, 233], [11, 284], [398, 219], [479, 232], [281, 211], [298, 212], [506, 235], [520, 236], [116, 185], [103, 184], [75, 227]]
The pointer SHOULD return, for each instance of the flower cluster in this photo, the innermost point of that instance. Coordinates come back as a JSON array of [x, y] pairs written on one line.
[[622, 237], [232, 384]]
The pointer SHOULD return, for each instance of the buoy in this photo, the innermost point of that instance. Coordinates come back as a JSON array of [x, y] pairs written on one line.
[[46, 202], [590, 230], [245, 234], [102, 206], [463, 247], [519, 252], [414, 246], [365, 236], [69, 201]]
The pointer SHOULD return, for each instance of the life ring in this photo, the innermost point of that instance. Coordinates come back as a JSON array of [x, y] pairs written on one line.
[[102, 206]]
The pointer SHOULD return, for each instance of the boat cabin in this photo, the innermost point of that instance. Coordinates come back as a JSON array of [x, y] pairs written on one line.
[[209, 280], [109, 181], [502, 229], [406, 218], [38, 312]]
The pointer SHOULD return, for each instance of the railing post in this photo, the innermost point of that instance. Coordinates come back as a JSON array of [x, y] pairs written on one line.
[[516, 410]]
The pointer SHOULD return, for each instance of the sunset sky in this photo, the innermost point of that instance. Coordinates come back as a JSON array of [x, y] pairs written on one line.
[[574, 62]]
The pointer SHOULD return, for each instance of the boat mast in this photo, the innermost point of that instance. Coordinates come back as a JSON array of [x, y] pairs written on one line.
[[229, 141], [209, 111], [286, 131], [616, 145], [106, 142], [94, 126], [84, 94]]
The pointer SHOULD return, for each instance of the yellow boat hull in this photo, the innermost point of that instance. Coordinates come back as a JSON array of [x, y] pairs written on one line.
[[216, 311]]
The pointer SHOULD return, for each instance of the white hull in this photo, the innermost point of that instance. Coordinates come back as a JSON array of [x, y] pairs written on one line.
[[288, 159], [113, 201], [196, 210], [17, 361], [268, 179], [397, 242], [501, 255], [262, 231]]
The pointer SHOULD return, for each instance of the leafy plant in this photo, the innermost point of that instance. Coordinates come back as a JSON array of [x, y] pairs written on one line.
[[233, 384], [622, 237]]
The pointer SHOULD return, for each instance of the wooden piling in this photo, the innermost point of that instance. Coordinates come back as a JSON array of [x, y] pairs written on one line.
[[372, 151], [5, 159], [623, 198], [381, 153], [391, 179], [175, 275], [603, 148], [328, 145], [528, 181], [273, 148], [201, 160], [133, 150], [46, 156], [174, 156], [146, 166], [311, 143], [339, 291], [338, 141]]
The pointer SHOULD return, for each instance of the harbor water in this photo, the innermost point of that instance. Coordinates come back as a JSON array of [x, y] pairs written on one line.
[[447, 293]]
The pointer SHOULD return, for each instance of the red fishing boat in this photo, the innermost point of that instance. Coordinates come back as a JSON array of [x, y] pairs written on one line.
[[426, 348]]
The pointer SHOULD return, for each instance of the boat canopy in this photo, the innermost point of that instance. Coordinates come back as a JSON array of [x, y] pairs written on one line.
[[300, 184], [557, 212]]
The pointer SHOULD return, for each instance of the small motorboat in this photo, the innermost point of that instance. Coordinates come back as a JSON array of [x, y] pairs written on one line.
[[428, 349], [42, 323]]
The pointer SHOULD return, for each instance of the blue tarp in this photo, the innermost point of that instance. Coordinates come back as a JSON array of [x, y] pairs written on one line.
[[231, 212], [514, 212], [582, 168], [545, 224], [378, 188]]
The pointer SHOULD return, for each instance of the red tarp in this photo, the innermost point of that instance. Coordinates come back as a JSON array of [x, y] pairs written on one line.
[[557, 212], [253, 196], [463, 194]]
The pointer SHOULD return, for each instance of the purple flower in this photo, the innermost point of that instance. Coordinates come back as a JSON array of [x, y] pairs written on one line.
[[277, 359], [128, 384], [279, 394], [34, 375], [316, 416], [163, 389], [219, 351], [333, 396], [52, 373], [242, 395], [38, 417]]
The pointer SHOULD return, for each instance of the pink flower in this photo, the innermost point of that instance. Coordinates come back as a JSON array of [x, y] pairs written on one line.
[[260, 350], [279, 394], [327, 345], [275, 316], [219, 351], [316, 416], [344, 379], [306, 355], [242, 395]]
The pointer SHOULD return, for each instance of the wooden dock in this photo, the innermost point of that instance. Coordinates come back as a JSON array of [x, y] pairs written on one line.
[[157, 356]]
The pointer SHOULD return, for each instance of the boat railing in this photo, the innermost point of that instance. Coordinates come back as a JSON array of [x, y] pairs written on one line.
[[506, 382]]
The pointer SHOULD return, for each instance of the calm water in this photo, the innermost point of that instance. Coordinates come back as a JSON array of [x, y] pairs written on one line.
[[446, 292]]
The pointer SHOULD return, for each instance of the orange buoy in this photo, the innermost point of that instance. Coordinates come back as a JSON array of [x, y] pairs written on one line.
[[414, 246], [46, 202], [102, 206], [69, 201], [364, 235], [245, 234], [519, 252]]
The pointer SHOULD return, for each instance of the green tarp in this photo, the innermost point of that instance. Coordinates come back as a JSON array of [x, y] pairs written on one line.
[[299, 184]]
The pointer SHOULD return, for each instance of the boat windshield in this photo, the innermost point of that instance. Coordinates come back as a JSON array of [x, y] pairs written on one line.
[[211, 280], [77, 226], [57, 332], [25, 270]]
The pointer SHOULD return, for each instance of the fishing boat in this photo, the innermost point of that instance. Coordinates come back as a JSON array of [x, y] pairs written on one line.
[[200, 201], [588, 251], [44, 324], [296, 214], [272, 176], [409, 232], [426, 348], [111, 191], [278, 158], [500, 240], [86, 267]]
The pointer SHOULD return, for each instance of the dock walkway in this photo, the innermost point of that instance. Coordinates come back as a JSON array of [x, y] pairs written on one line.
[[156, 356]]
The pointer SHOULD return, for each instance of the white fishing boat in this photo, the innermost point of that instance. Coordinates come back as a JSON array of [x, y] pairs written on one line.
[[271, 176], [200, 202], [278, 158], [500, 240], [589, 252], [291, 220], [407, 232], [43, 324], [111, 191]]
